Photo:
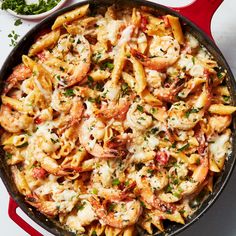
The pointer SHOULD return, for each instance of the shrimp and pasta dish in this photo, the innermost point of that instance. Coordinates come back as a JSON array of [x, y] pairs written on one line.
[[116, 120]]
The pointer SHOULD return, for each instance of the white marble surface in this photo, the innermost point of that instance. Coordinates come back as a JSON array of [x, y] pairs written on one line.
[[220, 219]]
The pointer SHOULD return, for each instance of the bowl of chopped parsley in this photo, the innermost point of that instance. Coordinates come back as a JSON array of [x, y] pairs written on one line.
[[31, 9]]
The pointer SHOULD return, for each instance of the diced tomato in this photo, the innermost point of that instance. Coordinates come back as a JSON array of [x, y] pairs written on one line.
[[144, 22], [41, 56], [38, 120], [162, 157], [202, 142], [166, 21], [39, 173]]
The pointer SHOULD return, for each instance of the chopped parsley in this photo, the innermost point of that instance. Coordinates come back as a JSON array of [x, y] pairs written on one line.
[[96, 57], [23, 145], [96, 100], [95, 191], [111, 207], [124, 89], [186, 146], [69, 93], [20, 6], [81, 206], [140, 108], [8, 155], [226, 98], [115, 182], [54, 141], [90, 81], [220, 75], [18, 22], [13, 36], [62, 69], [153, 110], [94, 233], [154, 130], [142, 204], [193, 110], [150, 171], [107, 65]]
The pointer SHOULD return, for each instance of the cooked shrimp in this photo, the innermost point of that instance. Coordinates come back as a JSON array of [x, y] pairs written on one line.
[[219, 123], [60, 102], [49, 164], [138, 120], [182, 116], [14, 121], [200, 172], [152, 200], [20, 72], [75, 115], [148, 181], [82, 47], [199, 175], [90, 132], [84, 216], [102, 177], [164, 51], [48, 208], [76, 54], [61, 200], [129, 213], [118, 111], [169, 94]]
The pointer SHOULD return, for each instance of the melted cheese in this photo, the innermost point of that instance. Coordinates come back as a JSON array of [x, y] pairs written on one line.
[[219, 148]]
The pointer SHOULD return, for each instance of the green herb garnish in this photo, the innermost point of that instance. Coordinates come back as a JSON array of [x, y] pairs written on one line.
[[220, 75], [124, 89], [111, 207], [186, 146], [95, 191], [23, 145], [81, 206], [226, 98], [115, 182], [154, 130], [140, 108], [94, 233], [193, 110], [8, 155], [18, 22], [13, 37], [108, 65], [69, 93], [20, 6]]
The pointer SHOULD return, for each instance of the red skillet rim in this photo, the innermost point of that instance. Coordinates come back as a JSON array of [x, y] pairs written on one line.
[[12, 60]]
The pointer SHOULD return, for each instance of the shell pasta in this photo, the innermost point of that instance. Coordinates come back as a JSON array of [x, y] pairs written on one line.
[[116, 120]]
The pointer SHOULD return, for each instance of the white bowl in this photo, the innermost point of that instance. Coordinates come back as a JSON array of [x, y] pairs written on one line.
[[38, 16]]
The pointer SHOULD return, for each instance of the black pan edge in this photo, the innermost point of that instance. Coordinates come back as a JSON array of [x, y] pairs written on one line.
[[22, 47]]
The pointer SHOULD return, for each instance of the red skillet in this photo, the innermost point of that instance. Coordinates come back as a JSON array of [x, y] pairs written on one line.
[[199, 12]]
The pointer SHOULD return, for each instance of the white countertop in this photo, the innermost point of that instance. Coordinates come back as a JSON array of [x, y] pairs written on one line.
[[220, 219]]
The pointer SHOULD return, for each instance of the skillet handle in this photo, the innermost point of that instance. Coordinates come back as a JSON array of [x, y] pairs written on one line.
[[200, 12], [19, 221]]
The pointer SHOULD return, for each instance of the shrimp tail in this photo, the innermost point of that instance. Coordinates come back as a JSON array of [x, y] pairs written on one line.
[[20, 73]]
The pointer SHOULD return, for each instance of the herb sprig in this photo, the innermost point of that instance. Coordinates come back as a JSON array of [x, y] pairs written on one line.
[[20, 6]]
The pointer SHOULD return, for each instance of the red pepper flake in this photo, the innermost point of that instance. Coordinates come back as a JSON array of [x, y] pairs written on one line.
[[38, 121], [144, 22], [162, 157], [39, 173], [166, 21]]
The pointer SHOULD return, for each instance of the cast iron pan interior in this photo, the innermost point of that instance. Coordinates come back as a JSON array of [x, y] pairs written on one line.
[[22, 48]]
